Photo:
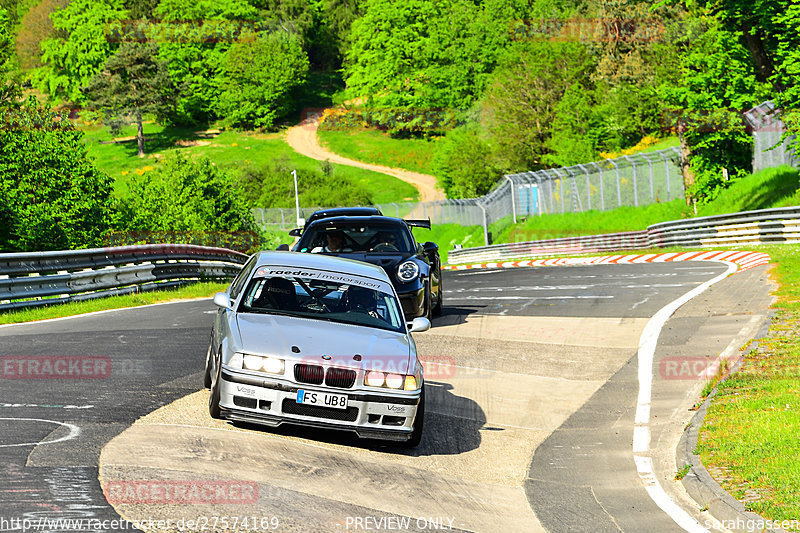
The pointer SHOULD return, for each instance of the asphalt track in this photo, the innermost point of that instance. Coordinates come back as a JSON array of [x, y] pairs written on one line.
[[524, 360]]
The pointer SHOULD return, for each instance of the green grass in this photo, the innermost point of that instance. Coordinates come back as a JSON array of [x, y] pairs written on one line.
[[195, 290], [377, 147], [773, 187], [752, 424], [446, 236], [230, 150], [557, 226]]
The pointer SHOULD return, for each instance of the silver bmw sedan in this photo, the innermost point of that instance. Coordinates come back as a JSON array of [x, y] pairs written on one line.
[[317, 341]]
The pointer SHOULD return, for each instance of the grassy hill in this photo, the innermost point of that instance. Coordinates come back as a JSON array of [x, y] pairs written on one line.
[[235, 151]]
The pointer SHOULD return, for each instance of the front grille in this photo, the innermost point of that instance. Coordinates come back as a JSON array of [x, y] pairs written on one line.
[[311, 374], [291, 407], [342, 378]]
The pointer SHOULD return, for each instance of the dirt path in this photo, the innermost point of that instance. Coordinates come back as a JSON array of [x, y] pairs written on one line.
[[303, 140]]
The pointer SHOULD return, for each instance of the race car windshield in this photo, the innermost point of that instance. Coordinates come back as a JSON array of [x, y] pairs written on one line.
[[323, 300], [356, 239]]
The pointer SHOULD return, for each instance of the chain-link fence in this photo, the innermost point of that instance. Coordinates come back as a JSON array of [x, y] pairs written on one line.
[[639, 179], [770, 147]]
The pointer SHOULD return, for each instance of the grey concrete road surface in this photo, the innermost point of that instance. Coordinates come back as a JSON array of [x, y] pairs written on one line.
[[524, 360]]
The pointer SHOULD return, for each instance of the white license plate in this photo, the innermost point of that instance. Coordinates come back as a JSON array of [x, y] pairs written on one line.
[[322, 399]]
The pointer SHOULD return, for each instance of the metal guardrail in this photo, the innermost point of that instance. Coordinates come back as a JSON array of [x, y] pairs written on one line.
[[766, 226], [42, 278]]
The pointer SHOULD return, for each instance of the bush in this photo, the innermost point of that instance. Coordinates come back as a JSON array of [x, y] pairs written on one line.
[[53, 196], [273, 186], [465, 165], [184, 195]]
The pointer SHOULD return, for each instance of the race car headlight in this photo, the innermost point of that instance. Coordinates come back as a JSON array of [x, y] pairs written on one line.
[[411, 383], [252, 362], [270, 365], [407, 271], [394, 381], [375, 379]]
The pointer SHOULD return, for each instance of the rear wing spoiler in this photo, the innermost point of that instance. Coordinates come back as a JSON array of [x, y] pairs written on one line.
[[419, 223]]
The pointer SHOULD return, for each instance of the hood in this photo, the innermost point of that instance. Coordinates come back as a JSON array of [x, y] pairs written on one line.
[[389, 262], [263, 334]]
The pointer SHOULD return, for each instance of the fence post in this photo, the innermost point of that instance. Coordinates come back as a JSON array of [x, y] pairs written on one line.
[[652, 192], [619, 191], [666, 165], [602, 192], [513, 202], [635, 188], [485, 224], [283, 221]]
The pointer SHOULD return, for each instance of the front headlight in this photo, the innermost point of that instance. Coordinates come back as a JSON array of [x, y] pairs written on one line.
[[270, 365], [407, 271]]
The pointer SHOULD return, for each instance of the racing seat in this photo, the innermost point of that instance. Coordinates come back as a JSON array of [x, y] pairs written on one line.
[[277, 294]]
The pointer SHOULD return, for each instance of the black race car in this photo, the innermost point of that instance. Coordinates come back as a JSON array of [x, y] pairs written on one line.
[[415, 269]]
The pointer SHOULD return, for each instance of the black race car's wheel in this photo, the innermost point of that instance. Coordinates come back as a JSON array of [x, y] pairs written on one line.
[[214, 396], [207, 373], [437, 310], [428, 301], [419, 423]]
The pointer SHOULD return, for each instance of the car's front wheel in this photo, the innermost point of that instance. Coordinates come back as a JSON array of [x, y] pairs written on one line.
[[437, 310], [419, 423], [214, 396]]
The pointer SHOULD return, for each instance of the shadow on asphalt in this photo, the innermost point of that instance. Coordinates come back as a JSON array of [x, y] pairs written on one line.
[[453, 433]]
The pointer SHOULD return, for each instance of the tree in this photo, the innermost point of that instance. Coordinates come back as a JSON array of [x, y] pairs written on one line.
[[81, 47], [194, 37], [35, 27], [257, 77], [53, 196], [133, 82], [524, 96], [717, 84], [419, 55], [9, 88]]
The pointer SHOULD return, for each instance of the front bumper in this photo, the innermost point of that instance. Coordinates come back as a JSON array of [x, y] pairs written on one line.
[[412, 302], [272, 402]]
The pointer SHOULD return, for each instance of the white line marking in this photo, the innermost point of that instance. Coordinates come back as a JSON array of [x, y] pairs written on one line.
[[470, 298], [74, 431], [647, 348], [93, 313], [481, 272]]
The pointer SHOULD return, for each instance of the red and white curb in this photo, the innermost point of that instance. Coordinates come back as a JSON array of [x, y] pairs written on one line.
[[744, 260]]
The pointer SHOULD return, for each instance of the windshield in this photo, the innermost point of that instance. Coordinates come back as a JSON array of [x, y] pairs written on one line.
[[311, 297], [356, 239]]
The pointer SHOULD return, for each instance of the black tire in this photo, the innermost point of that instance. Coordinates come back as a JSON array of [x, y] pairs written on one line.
[[419, 424], [214, 395], [207, 373], [437, 309], [428, 301]]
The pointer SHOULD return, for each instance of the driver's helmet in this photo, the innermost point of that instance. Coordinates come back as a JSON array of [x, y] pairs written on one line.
[[362, 299]]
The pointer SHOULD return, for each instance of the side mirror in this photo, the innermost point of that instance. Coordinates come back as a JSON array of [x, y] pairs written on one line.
[[283, 248], [295, 232], [430, 247], [420, 324], [221, 299]]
